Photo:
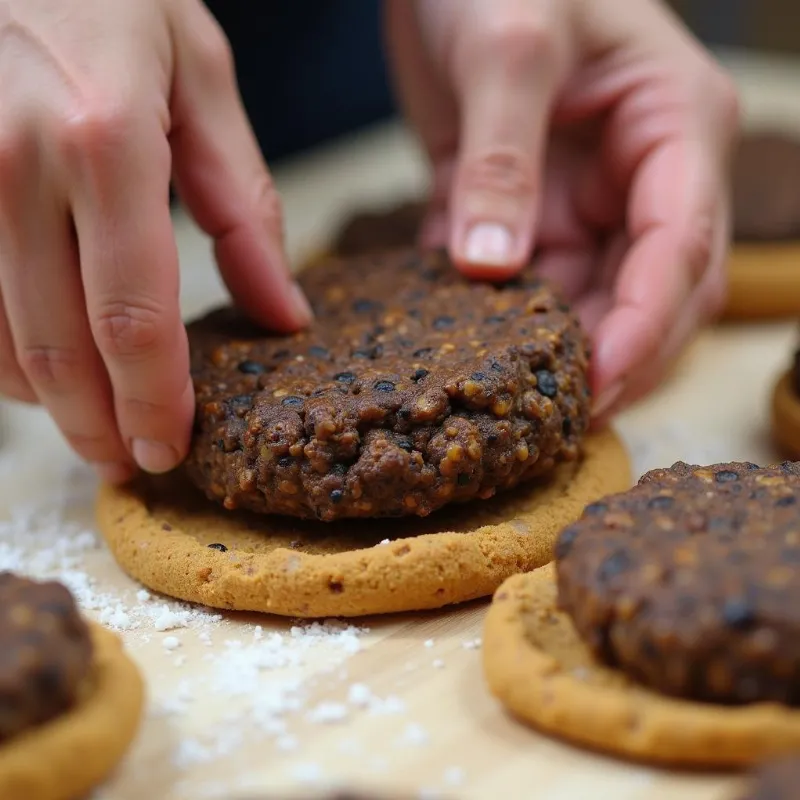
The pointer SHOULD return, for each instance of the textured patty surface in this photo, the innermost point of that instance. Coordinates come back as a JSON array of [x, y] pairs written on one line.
[[414, 388], [45, 652], [690, 581], [777, 780], [388, 229]]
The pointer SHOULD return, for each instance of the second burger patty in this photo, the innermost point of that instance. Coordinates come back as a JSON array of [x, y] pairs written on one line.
[[690, 581], [414, 388]]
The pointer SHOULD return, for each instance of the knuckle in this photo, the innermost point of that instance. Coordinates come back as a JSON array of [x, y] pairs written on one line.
[[95, 124], [505, 171], [518, 42], [123, 329], [212, 50], [50, 367]]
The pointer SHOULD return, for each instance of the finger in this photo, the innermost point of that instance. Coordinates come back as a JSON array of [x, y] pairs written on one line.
[[119, 167], [675, 236], [429, 106], [221, 176], [507, 67], [570, 270], [13, 381], [46, 312]]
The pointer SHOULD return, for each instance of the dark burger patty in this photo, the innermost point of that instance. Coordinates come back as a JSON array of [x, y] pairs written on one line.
[[766, 188], [369, 232], [777, 780], [690, 581], [414, 388], [45, 653]]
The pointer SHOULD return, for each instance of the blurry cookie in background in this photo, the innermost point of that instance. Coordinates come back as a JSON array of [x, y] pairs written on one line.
[[764, 263]]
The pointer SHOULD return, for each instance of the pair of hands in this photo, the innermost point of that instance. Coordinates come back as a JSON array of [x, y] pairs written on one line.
[[596, 131]]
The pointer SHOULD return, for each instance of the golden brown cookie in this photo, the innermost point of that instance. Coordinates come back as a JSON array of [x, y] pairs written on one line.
[[763, 280], [538, 667], [176, 542], [68, 756], [786, 416]]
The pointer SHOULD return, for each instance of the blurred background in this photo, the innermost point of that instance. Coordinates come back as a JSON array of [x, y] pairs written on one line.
[[329, 52]]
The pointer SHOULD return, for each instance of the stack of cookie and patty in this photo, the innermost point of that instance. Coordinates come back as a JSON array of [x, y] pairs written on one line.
[[455, 412], [70, 699]]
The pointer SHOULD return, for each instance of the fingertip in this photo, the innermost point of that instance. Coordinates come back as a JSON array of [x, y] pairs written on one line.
[[487, 251]]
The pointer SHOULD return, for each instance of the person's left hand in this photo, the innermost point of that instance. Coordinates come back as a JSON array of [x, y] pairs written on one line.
[[593, 134]]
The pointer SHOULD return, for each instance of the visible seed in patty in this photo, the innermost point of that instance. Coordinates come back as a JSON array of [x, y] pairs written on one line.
[[443, 322], [419, 374], [383, 386], [546, 383], [336, 496], [344, 377], [292, 401], [738, 613], [725, 476], [218, 546], [249, 367]]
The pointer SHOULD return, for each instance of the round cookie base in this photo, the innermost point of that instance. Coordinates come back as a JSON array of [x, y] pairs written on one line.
[[785, 421], [537, 666], [71, 754], [763, 281], [160, 535]]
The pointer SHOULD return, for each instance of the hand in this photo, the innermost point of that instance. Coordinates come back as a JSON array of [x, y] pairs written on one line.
[[101, 101], [594, 134]]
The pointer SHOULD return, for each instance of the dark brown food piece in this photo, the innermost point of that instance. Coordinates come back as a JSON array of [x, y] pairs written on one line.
[[45, 652], [413, 389], [777, 780], [369, 232], [796, 372], [690, 581], [766, 188]]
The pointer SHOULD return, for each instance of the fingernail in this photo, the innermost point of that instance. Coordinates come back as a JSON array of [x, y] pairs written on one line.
[[301, 305], [489, 243], [155, 457], [113, 472], [607, 398]]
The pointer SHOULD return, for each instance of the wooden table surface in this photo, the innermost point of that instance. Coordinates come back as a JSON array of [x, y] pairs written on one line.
[[243, 707]]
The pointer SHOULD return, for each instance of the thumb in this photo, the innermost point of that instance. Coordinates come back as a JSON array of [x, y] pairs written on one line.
[[221, 176], [507, 67]]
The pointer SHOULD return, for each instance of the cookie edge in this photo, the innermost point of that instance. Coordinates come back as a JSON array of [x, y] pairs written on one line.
[[679, 733], [85, 744], [606, 469]]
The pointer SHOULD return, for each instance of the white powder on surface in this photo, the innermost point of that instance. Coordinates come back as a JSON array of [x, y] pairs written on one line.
[[437, 663], [171, 642]]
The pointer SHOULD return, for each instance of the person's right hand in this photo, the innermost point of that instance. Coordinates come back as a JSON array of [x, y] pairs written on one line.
[[103, 102]]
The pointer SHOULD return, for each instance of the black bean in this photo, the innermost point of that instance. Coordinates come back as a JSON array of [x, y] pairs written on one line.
[[218, 546], [497, 366], [444, 322], [251, 367], [292, 401], [362, 353], [344, 377], [242, 400], [492, 438], [423, 352], [614, 564], [726, 476], [318, 352], [789, 500], [336, 496], [495, 318], [661, 501], [546, 383], [565, 542], [339, 469], [285, 461], [363, 306], [738, 613], [383, 386], [478, 376], [279, 355], [419, 374], [404, 443]]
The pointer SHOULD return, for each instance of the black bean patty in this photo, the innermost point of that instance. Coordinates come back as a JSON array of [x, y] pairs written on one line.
[[368, 232], [766, 188], [690, 581], [45, 652], [777, 780], [413, 389]]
